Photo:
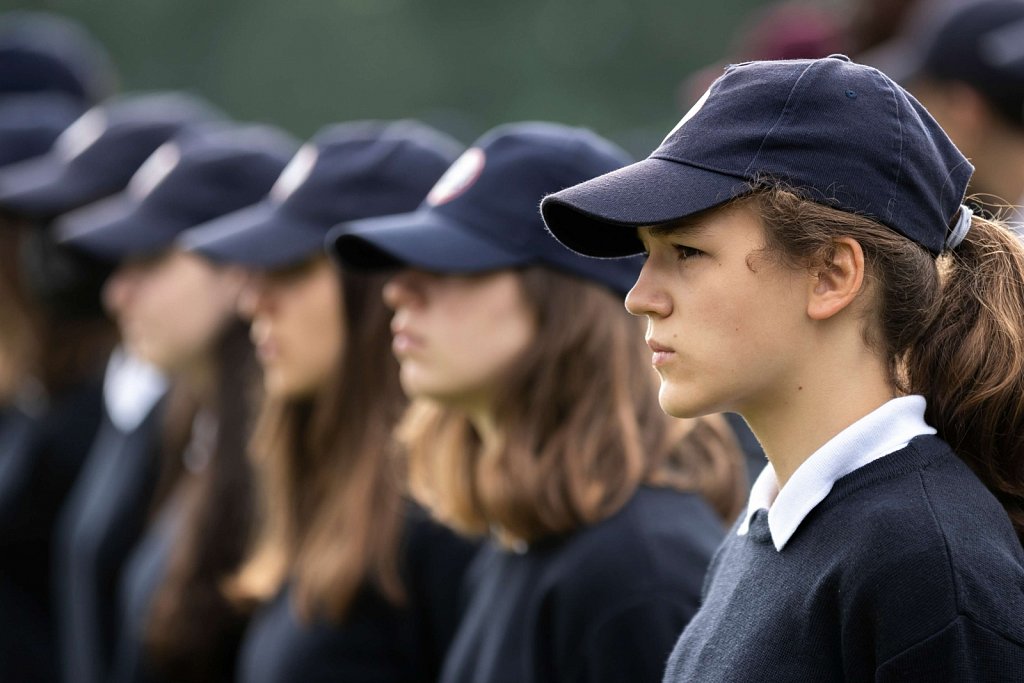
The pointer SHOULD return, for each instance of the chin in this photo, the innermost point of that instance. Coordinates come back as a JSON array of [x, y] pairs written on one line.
[[680, 403]]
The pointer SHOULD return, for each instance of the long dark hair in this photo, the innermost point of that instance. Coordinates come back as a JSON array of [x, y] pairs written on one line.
[[193, 629], [582, 429], [331, 501]]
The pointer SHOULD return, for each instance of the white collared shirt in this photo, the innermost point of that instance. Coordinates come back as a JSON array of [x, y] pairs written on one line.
[[131, 388], [884, 430]]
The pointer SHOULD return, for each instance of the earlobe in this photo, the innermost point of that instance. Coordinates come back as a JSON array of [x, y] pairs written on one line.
[[838, 282]]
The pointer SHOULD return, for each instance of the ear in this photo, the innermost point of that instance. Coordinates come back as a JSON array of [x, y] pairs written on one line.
[[838, 281]]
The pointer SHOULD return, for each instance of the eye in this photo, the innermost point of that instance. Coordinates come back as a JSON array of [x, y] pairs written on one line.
[[684, 252]]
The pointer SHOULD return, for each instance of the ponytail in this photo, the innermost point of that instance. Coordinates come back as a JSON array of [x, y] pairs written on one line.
[[969, 360], [950, 328]]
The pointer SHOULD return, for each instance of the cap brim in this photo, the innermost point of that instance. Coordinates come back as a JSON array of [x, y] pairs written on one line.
[[423, 239], [44, 186], [599, 217], [258, 236], [117, 228]]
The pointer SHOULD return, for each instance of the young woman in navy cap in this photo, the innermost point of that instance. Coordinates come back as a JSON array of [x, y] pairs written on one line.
[[810, 266], [157, 523], [535, 423], [349, 582]]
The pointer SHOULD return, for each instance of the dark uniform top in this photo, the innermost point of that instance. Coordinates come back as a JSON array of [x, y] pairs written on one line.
[[605, 603], [41, 454], [105, 516], [908, 570], [376, 642]]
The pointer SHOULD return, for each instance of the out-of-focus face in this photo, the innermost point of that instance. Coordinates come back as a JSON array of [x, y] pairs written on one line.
[[297, 326], [172, 308], [727, 324], [456, 336]]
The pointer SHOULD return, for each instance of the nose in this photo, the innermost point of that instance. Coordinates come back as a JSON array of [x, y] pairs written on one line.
[[253, 296], [648, 297], [403, 289], [119, 288]]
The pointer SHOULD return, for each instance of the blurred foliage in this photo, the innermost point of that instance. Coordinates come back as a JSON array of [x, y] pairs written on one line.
[[461, 65]]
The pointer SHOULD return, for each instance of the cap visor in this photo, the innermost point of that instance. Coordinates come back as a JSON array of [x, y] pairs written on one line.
[[43, 186], [422, 239], [117, 228], [258, 236], [599, 217]]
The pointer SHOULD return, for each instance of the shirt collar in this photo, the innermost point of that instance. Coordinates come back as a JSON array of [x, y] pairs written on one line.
[[884, 430], [131, 388]]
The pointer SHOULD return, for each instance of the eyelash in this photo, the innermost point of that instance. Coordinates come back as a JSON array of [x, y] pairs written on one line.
[[684, 253]]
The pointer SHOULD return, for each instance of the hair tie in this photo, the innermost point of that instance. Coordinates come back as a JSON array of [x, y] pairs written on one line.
[[959, 231]]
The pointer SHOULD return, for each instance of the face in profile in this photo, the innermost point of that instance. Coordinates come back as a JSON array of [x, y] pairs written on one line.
[[456, 336], [297, 326], [172, 308], [726, 323]]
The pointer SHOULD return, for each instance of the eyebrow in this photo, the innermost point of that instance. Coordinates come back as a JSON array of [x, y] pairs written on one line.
[[689, 226]]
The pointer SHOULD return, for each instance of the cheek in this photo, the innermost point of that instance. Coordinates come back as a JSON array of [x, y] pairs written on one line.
[[309, 337]]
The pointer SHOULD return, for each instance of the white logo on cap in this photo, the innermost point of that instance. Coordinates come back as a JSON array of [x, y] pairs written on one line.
[[295, 173], [459, 177], [689, 115], [80, 135], [154, 169], [1004, 46]]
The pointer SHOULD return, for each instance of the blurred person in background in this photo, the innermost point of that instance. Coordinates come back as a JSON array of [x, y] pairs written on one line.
[[92, 158], [535, 423], [348, 581], [51, 71], [966, 66], [177, 312]]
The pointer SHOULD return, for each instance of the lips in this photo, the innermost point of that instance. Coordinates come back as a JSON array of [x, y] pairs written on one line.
[[403, 341], [661, 354]]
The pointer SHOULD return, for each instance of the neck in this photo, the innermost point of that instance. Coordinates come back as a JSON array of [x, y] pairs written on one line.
[[486, 427], [828, 395]]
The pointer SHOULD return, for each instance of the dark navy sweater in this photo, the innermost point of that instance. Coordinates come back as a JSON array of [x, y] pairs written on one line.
[[603, 604], [377, 642], [908, 570], [105, 515], [40, 457]]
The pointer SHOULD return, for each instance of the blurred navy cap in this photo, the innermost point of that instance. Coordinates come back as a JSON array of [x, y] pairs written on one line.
[[42, 52], [97, 155], [346, 172], [30, 122], [982, 45], [482, 215], [842, 134], [201, 174]]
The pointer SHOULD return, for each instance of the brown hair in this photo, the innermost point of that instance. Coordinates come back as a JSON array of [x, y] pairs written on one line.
[[950, 328], [582, 429], [331, 500], [193, 629]]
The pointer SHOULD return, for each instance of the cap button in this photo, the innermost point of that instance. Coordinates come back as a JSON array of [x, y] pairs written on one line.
[[839, 56]]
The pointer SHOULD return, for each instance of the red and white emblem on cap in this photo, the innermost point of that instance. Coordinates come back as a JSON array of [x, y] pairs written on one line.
[[295, 173], [80, 135], [154, 169], [459, 177], [689, 115]]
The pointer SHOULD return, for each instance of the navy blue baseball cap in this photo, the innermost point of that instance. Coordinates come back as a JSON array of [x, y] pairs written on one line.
[[43, 52], [201, 174], [346, 172], [482, 215], [97, 155], [30, 122], [841, 134]]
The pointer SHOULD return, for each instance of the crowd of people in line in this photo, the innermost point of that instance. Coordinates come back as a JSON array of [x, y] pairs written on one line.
[[379, 406]]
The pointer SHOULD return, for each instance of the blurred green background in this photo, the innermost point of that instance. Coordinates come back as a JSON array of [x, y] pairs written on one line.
[[461, 65]]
